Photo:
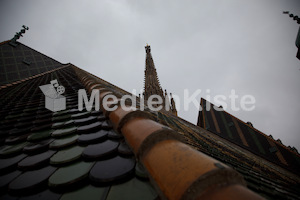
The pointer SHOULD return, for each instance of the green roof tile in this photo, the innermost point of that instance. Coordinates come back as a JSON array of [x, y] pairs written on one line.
[[12, 149], [30, 181], [31, 109], [70, 174], [64, 124], [7, 163], [44, 195], [61, 118], [63, 132], [13, 116], [35, 161], [59, 113], [91, 138], [66, 155], [113, 169], [63, 142], [7, 178], [86, 120], [36, 147], [89, 128], [40, 135], [58, 125], [88, 192], [100, 150], [80, 115], [69, 123], [133, 189]]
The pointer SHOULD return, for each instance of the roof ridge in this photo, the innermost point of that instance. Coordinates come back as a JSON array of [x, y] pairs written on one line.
[[4, 42], [103, 80]]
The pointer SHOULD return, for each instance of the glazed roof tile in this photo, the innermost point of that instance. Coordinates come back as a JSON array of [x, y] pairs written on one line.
[[89, 128], [63, 142], [112, 169], [92, 138], [7, 178], [94, 193], [70, 175], [35, 161], [40, 135], [134, 189], [30, 181], [85, 121], [45, 195], [63, 132], [36, 147], [100, 150], [10, 162], [67, 155]]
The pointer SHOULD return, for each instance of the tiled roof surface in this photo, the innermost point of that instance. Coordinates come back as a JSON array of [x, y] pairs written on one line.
[[69, 154], [257, 172], [75, 154], [19, 62]]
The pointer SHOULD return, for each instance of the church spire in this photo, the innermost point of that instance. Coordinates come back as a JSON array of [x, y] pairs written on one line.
[[152, 85]]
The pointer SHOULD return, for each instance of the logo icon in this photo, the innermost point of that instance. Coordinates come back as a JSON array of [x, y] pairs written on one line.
[[54, 100]]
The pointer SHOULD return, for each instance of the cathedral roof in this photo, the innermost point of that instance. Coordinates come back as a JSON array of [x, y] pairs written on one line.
[[120, 154], [246, 136]]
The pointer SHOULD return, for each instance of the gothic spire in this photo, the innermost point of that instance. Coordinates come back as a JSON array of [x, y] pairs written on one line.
[[152, 85]]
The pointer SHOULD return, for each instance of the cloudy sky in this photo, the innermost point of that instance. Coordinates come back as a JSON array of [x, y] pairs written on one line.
[[213, 45]]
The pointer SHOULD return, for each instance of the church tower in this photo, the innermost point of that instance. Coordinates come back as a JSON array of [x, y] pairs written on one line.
[[152, 85]]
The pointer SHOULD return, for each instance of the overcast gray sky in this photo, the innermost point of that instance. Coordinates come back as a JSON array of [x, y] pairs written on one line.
[[248, 46]]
